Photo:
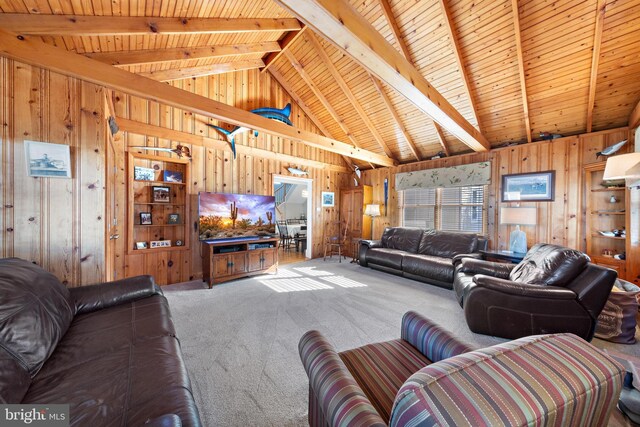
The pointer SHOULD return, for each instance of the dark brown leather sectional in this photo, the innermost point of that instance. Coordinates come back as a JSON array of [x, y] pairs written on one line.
[[110, 350], [425, 255], [553, 289]]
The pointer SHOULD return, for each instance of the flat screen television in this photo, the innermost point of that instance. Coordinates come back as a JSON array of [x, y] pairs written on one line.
[[223, 216]]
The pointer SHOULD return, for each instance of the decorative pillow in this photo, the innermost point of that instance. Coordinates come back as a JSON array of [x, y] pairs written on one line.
[[617, 321]]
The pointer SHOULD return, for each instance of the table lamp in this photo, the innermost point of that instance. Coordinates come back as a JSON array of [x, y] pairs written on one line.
[[372, 211], [518, 216]]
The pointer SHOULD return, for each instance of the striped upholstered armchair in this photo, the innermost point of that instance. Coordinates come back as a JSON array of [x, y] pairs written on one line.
[[429, 378]]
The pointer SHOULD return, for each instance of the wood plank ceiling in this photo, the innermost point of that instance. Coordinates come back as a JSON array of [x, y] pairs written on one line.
[[512, 68]]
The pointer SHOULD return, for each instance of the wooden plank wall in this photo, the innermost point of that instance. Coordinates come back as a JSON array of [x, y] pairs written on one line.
[[561, 222], [216, 170], [56, 223]]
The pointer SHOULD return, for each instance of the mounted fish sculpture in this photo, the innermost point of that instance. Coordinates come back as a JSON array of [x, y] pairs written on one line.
[[281, 115]]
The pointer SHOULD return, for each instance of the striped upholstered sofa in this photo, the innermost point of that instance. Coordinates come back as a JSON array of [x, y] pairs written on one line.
[[429, 378]]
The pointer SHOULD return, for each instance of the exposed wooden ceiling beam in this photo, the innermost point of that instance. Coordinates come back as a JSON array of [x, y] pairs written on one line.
[[346, 90], [386, 7], [318, 93], [307, 110], [342, 25], [523, 81], [441, 138], [595, 60], [140, 128], [444, 5], [284, 44], [396, 116], [149, 56], [388, 13], [203, 70], [72, 25], [35, 52]]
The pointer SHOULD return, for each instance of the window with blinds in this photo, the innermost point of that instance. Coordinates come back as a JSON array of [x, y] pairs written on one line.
[[453, 209]]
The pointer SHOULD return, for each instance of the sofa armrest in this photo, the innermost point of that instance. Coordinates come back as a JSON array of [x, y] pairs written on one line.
[[371, 243], [430, 339], [339, 396], [457, 259], [536, 380], [520, 289], [365, 245], [108, 294], [477, 266]]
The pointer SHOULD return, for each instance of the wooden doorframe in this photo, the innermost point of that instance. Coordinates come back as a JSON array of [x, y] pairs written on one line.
[[308, 182]]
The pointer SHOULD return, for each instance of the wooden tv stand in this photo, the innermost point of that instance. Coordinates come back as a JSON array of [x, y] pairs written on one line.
[[225, 260]]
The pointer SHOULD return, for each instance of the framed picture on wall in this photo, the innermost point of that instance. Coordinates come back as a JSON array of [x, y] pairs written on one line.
[[47, 160], [328, 199], [529, 187]]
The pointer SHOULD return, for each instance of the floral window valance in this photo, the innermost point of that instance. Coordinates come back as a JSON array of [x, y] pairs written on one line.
[[454, 176]]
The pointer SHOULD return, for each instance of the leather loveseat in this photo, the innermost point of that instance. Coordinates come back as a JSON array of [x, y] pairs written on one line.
[[425, 255], [553, 289], [429, 378], [109, 351]]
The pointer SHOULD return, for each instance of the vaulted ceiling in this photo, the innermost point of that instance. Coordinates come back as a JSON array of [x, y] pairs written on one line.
[[512, 69]]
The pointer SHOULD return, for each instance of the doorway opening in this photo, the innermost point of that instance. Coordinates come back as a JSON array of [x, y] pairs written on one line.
[[294, 213]]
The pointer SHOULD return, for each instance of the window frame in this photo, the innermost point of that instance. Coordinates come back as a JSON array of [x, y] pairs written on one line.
[[439, 204]]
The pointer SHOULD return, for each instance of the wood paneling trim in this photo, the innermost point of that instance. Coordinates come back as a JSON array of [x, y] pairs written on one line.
[[74, 25]]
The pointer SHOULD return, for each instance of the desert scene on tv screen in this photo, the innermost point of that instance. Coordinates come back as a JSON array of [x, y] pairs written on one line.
[[228, 216]]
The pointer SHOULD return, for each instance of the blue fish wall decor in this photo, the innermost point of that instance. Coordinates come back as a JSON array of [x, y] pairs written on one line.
[[281, 115]]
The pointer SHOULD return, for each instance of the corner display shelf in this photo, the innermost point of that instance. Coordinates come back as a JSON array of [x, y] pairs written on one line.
[[140, 199], [603, 216], [224, 260]]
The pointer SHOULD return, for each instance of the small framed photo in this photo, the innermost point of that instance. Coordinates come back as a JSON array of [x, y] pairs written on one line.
[[179, 243], [145, 218], [143, 174], [141, 245], [529, 187], [47, 160], [160, 194], [174, 218], [172, 176], [328, 199]]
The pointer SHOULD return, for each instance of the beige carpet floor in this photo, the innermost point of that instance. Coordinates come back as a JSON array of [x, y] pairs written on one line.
[[240, 338]]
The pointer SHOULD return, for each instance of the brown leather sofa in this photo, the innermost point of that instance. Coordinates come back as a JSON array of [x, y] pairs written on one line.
[[425, 255], [109, 351], [553, 289]]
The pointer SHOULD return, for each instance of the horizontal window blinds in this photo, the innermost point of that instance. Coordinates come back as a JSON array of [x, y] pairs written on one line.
[[453, 209]]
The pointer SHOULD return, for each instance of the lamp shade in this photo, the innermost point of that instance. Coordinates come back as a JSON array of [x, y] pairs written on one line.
[[518, 216], [622, 166], [372, 210]]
